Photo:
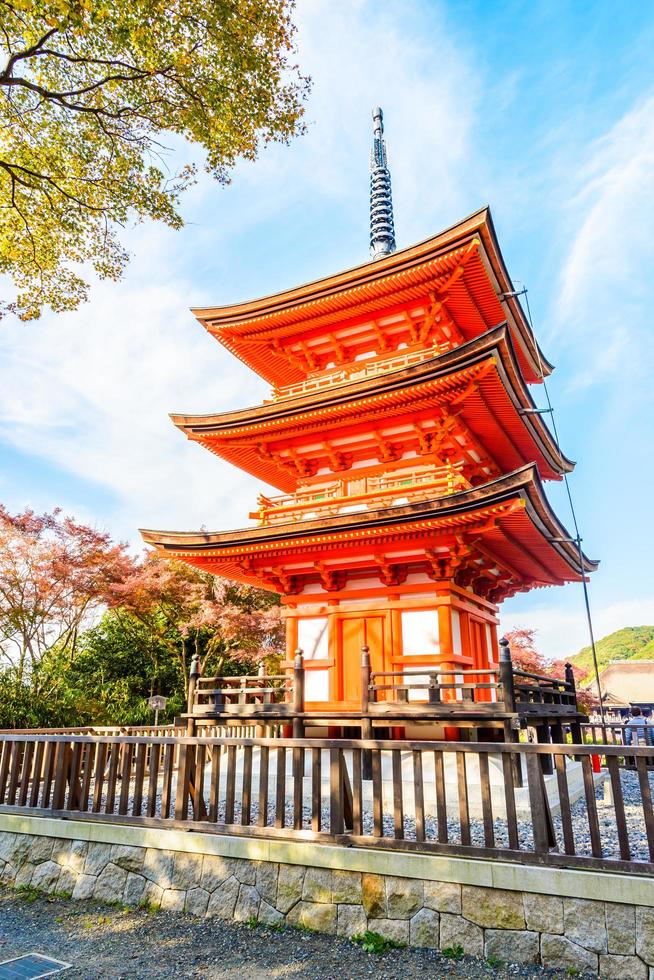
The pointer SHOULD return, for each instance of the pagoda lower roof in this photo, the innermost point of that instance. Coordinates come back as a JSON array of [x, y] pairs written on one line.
[[480, 382], [503, 534], [461, 268]]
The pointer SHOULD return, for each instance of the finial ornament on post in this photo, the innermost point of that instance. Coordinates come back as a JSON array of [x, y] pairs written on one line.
[[382, 227]]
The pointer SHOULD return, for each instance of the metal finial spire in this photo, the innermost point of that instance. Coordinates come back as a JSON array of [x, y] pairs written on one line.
[[382, 229]]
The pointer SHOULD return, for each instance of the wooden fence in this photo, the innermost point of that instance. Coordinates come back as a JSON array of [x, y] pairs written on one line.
[[444, 797]]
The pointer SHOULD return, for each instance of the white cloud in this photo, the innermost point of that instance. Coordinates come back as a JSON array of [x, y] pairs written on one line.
[[607, 272], [562, 631]]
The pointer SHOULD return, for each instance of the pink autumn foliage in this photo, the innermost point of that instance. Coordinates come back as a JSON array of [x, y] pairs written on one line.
[[526, 657]]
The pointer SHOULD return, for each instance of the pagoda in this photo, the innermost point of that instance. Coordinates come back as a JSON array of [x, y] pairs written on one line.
[[407, 452]]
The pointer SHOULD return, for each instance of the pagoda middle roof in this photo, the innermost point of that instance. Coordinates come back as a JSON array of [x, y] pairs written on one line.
[[462, 266], [479, 380]]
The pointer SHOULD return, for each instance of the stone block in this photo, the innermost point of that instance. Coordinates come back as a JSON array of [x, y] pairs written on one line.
[[512, 946], [8, 875], [134, 887], [313, 915], [245, 871], [247, 904], [152, 895], [158, 867], [173, 900], [84, 887], [266, 881], [620, 928], [317, 885], [289, 886], [493, 908], [197, 900], [128, 857], [215, 870], [23, 875], [187, 871], [59, 849], [615, 967], [457, 931], [585, 923], [97, 857], [76, 857], [41, 849], [373, 896], [346, 888], [67, 881], [645, 934], [404, 896], [14, 848], [424, 929], [544, 913], [46, 876], [223, 900], [351, 921], [110, 884], [269, 916], [557, 952], [395, 929], [443, 896]]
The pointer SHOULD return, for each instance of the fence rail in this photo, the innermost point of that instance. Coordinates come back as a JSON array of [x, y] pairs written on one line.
[[444, 797]]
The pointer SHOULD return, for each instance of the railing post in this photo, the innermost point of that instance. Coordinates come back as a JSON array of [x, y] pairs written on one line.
[[434, 692], [192, 685], [366, 720], [298, 695], [575, 726], [508, 696]]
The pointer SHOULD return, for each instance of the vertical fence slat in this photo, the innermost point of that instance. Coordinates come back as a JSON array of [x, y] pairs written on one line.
[[298, 786], [646, 796], [335, 794], [377, 794], [398, 802], [112, 776], [153, 778], [264, 764], [87, 763], [25, 774], [591, 806], [230, 788], [62, 765], [14, 772], [125, 778], [419, 794], [4, 769], [462, 786], [357, 792], [618, 806], [486, 800], [100, 765], [246, 796], [214, 783], [537, 804], [74, 786], [509, 800], [564, 805], [38, 774], [139, 777], [48, 773], [280, 790], [316, 790], [197, 795], [167, 781], [441, 801]]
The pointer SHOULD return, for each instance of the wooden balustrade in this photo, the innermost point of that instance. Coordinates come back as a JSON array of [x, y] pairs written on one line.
[[443, 797], [455, 689]]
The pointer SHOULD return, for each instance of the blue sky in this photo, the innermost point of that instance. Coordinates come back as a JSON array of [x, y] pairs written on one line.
[[543, 110]]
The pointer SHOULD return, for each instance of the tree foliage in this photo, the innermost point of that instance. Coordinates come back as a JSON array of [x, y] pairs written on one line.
[[526, 656], [89, 90]]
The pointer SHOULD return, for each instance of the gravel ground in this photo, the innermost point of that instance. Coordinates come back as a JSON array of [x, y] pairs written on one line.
[[104, 942]]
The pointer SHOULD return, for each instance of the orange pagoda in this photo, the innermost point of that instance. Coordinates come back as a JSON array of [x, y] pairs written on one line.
[[409, 458]]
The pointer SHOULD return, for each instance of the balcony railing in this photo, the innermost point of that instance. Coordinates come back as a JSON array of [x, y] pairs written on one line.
[[366, 493], [358, 370]]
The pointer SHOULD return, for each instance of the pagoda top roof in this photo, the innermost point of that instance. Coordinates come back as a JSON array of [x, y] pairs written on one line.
[[461, 267], [510, 518]]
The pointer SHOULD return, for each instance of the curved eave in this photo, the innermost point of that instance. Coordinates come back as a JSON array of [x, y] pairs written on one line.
[[237, 326], [275, 419], [523, 484]]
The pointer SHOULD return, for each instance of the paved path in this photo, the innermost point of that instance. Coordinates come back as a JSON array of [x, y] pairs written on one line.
[[104, 942]]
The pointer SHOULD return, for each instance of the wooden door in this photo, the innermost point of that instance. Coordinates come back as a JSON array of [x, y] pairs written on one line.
[[356, 632]]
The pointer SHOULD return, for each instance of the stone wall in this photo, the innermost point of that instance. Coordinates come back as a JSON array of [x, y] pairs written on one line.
[[613, 939]]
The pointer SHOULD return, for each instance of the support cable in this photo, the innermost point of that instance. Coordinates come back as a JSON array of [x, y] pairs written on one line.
[[577, 538]]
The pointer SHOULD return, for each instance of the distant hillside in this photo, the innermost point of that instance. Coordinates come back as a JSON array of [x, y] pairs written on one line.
[[630, 643]]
